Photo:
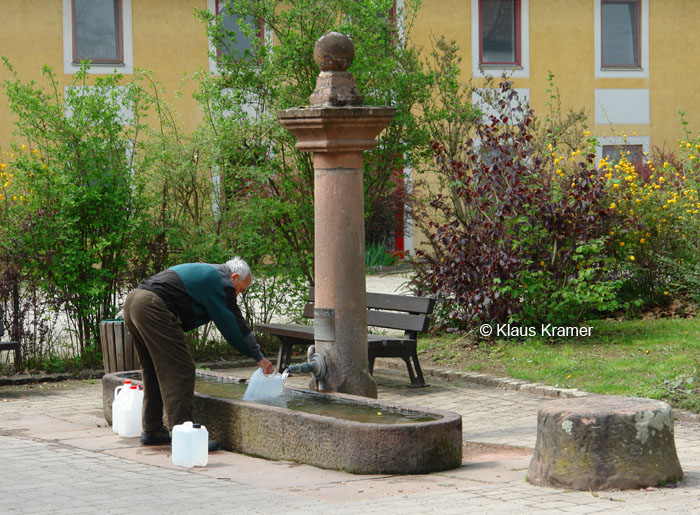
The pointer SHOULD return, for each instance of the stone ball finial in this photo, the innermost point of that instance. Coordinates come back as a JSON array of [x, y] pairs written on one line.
[[334, 52]]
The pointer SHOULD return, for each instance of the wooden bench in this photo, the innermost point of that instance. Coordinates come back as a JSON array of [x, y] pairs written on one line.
[[409, 314], [15, 346]]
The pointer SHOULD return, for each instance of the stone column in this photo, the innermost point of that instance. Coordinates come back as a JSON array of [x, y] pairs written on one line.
[[337, 128]]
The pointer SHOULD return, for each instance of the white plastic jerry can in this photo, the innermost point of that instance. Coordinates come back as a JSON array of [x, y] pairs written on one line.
[[130, 413], [119, 398], [190, 445]]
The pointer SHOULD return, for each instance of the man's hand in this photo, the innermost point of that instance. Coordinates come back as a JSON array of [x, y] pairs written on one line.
[[267, 367]]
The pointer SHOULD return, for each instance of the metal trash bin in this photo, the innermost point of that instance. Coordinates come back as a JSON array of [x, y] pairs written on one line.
[[118, 352]]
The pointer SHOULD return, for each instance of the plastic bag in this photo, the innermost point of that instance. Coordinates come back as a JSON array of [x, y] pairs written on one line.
[[262, 386]]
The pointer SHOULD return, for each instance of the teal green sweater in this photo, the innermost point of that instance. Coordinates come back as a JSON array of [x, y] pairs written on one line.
[[198, 293]]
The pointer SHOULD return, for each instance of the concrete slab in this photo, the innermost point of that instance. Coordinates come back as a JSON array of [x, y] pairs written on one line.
[[492, 468], [377, 489], [101, 443], [255, 472], [68, 435]]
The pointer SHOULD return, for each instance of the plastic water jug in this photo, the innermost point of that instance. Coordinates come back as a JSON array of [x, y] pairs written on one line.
[[190, 445], [130, 413], [263, 386], [118, 399]]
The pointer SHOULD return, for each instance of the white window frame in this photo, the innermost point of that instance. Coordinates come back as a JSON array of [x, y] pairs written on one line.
[[479, 94], [625, 106], [408, 224], [126, 112], [213, 68], [400, 22], [622, 73], [644, 141], [98, 68], [515, 71]]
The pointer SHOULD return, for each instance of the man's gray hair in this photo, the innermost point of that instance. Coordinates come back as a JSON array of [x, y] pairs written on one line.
[[238, 266]]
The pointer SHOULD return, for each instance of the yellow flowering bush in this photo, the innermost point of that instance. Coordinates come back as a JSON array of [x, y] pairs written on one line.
[[657, 203]]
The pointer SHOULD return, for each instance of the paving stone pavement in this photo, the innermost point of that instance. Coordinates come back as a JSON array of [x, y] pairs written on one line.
[[58, 456]]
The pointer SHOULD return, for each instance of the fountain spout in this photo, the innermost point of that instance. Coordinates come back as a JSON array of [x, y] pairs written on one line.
[[316, 365]]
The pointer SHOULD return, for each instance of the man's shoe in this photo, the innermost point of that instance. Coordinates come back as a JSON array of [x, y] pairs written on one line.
[[213, 445], [160, 437]]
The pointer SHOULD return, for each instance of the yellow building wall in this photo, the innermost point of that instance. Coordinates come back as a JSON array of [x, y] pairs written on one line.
[[170, 41], [674, 40], [31, 36], [561, 39], [167, 39]]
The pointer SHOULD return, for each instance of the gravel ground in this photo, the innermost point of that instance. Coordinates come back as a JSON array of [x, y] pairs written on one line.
[[394, 282]]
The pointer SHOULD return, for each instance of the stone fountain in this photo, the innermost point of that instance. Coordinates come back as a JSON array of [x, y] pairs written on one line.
[[337, 128]]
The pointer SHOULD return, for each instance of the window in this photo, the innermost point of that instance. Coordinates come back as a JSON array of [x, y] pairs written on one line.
[[97, 31], [621, 29], [243, 40], [633, 153], [499, 32], [391, 17], [487, 99], [357, 15], [500, 37], [620, 33], [613, 148]]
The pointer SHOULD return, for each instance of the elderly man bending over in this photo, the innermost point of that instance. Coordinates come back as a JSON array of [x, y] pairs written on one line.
[[160, 311]]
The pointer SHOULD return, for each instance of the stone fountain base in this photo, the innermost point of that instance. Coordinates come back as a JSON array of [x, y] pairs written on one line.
[[279, 433]]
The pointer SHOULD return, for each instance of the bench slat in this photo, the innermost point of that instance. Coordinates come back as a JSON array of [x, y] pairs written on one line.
[[423, 305], [109, 364], [409, 314], [386, 319], [304, 332], [402, 321]]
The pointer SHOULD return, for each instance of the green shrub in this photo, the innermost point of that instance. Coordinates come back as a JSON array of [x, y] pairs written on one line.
[[520, 238], [655, 242], [73, 219], [267, 182], [377, 254]]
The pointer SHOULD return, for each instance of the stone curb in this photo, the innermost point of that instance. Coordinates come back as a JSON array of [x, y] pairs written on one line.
[[520, 385], [215, 365], [505, 383], [19, 379], [388, 269], [49, 378]]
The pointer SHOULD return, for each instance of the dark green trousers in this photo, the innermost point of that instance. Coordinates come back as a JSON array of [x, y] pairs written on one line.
[[167, 368]]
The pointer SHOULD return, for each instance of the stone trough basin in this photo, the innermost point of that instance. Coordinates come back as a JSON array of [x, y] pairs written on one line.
[[334, 431]]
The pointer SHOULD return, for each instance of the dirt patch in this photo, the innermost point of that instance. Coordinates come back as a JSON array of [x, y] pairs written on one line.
[[678, 308]]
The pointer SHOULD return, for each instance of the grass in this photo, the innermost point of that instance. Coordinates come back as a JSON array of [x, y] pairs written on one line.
[[658, 359]]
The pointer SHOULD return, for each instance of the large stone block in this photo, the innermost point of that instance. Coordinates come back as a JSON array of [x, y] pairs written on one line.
[[604, 443]]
